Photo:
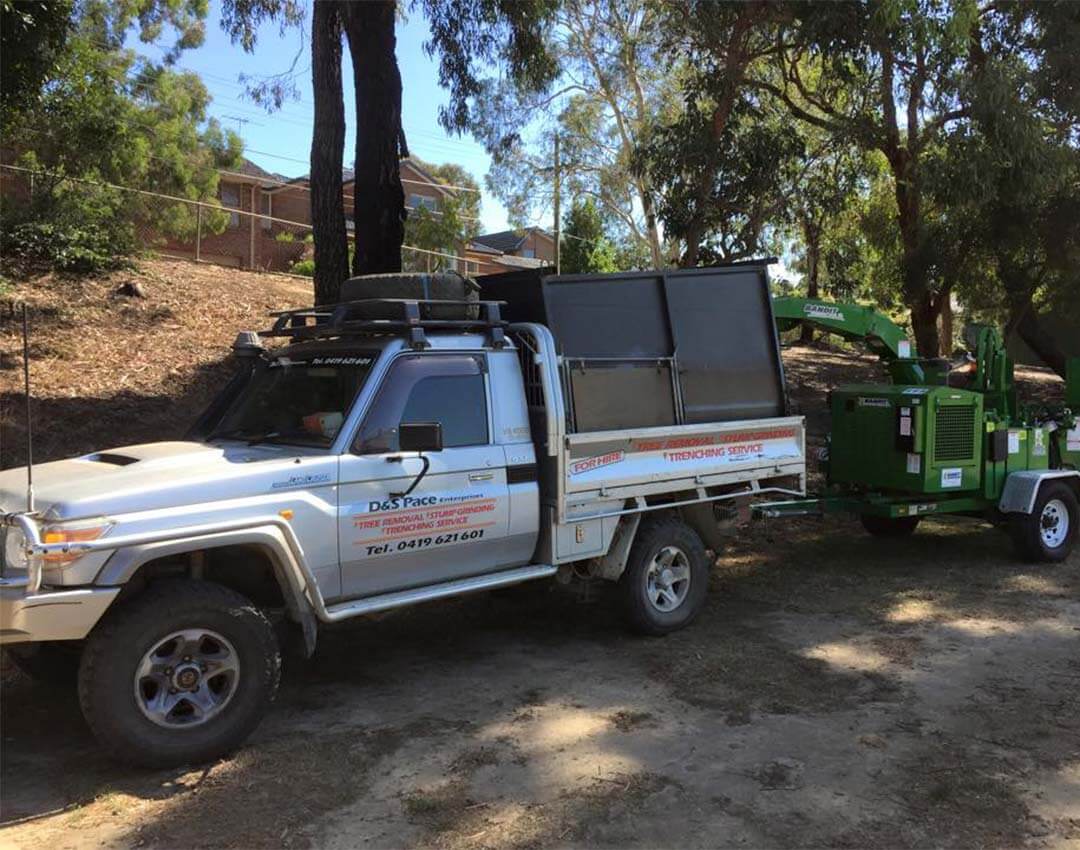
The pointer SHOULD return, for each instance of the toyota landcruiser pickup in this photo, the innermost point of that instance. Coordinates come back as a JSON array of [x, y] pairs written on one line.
[[375, 455]]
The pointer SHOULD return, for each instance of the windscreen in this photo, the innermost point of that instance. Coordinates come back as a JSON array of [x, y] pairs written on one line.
[[295, 400]]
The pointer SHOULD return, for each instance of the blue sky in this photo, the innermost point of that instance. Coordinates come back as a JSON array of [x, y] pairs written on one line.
[[281, 141]]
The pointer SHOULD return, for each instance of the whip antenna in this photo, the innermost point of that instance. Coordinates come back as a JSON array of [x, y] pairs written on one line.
[[29, 418]]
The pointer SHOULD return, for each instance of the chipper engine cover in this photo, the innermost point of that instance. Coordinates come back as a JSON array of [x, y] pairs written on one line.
[[910, 439]]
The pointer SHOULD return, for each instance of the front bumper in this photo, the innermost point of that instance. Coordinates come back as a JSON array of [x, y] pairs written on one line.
[[51, 615]]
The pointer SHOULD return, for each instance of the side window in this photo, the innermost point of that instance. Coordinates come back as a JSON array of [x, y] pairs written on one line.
[[428, 388]]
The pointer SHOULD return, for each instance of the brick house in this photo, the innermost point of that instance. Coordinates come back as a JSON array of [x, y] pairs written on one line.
[[509, 250], [249, 241], [278, 234]]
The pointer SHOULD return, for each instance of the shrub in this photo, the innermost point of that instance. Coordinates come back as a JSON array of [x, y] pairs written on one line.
[[306, 267], [85, 248]]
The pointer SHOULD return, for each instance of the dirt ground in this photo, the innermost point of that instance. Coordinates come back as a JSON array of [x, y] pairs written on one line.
[[838, 691]]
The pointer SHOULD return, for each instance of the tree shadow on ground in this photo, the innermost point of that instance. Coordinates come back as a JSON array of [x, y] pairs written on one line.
[[70, 427], [810, 704]]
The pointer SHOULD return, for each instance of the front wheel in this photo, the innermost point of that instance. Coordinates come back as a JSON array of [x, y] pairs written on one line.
[[1049, 531], [181, 674], [666, 578]]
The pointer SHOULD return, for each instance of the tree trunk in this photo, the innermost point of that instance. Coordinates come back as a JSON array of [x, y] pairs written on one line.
[[945, 323], [327, 152], [813, 289], [917, 294], [1025, 322], [656, 250], [379, 203], [924, 315]]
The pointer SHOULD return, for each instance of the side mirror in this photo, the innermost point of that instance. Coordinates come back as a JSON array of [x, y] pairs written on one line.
[[420, 437]]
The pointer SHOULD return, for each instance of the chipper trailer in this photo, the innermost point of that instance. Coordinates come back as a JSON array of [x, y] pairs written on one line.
[[941, 438]]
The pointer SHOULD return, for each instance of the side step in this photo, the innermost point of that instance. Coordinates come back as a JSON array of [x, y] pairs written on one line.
[[401, 598]]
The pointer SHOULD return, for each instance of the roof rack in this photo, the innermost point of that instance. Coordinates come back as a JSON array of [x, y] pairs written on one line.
[[353, 318]]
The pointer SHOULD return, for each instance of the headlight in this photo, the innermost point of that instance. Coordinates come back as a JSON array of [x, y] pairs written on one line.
[[15, 557], [71, 532]]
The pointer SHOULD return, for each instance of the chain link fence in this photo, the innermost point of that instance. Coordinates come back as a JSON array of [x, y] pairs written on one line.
[[255, 227]]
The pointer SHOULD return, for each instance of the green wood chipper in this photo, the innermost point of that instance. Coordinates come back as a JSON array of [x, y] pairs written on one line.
[[943, 438]]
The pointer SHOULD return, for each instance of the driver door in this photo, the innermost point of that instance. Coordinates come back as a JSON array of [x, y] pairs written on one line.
[[455, 520]]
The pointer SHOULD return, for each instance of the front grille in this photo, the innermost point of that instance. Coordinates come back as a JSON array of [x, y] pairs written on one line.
[[954, 433]]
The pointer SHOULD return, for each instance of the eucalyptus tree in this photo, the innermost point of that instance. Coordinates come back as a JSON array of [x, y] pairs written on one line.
[[886, 76], [614, 83], [1012, 174]]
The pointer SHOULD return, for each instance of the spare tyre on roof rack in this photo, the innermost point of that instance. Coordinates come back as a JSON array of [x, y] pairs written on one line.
[[440, 286]]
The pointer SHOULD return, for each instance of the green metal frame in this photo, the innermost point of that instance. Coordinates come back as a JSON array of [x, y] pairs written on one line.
[[876, 505], [857, 323]]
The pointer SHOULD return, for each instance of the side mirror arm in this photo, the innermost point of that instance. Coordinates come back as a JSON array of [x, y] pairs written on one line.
[[417, 480]]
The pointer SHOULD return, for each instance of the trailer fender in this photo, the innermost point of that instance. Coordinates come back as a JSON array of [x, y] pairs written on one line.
[[611, 565], [1022, 488]]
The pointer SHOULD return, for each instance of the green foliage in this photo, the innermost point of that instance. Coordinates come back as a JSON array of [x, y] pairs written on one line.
[[471, 36], [585, 248], [103, 115], [305, 267], [448, 228], [32, 34], [614, 83], [84, 249], [722, 197]]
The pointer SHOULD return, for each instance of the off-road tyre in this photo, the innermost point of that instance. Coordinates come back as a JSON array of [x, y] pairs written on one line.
[[117, 646], [1032, 538], [883, 526], [53, 663], [639, 609]]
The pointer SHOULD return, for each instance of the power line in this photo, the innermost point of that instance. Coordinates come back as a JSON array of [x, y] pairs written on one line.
[[204, 204], [289, 183]]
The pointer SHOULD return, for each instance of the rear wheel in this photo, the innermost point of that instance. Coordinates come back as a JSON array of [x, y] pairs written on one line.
[[1049, 531], [883, 526], [666, 578], [181, 674]]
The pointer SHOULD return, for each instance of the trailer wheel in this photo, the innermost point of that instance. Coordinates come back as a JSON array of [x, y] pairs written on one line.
[[181, 674], [1049, 531], [666, 578], [883, 526]]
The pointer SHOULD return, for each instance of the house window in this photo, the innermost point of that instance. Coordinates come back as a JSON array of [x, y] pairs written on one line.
[[266, 209], [528, 252], [417, 201], [230, 197]]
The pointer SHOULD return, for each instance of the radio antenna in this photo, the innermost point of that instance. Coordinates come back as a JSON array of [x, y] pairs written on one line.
[[29, 417]]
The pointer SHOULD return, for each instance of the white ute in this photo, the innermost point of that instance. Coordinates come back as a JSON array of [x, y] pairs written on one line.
[[381, 458]]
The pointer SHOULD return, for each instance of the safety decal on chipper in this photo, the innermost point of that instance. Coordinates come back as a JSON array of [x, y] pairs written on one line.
[[420, 522]]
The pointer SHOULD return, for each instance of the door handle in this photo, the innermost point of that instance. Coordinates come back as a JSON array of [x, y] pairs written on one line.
[[481, 476]]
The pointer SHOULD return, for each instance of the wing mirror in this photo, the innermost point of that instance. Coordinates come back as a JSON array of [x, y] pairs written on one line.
[[417, 437], [420, 436]]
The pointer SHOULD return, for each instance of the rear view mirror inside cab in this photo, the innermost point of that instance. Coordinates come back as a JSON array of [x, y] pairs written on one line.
[[420, 437]]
